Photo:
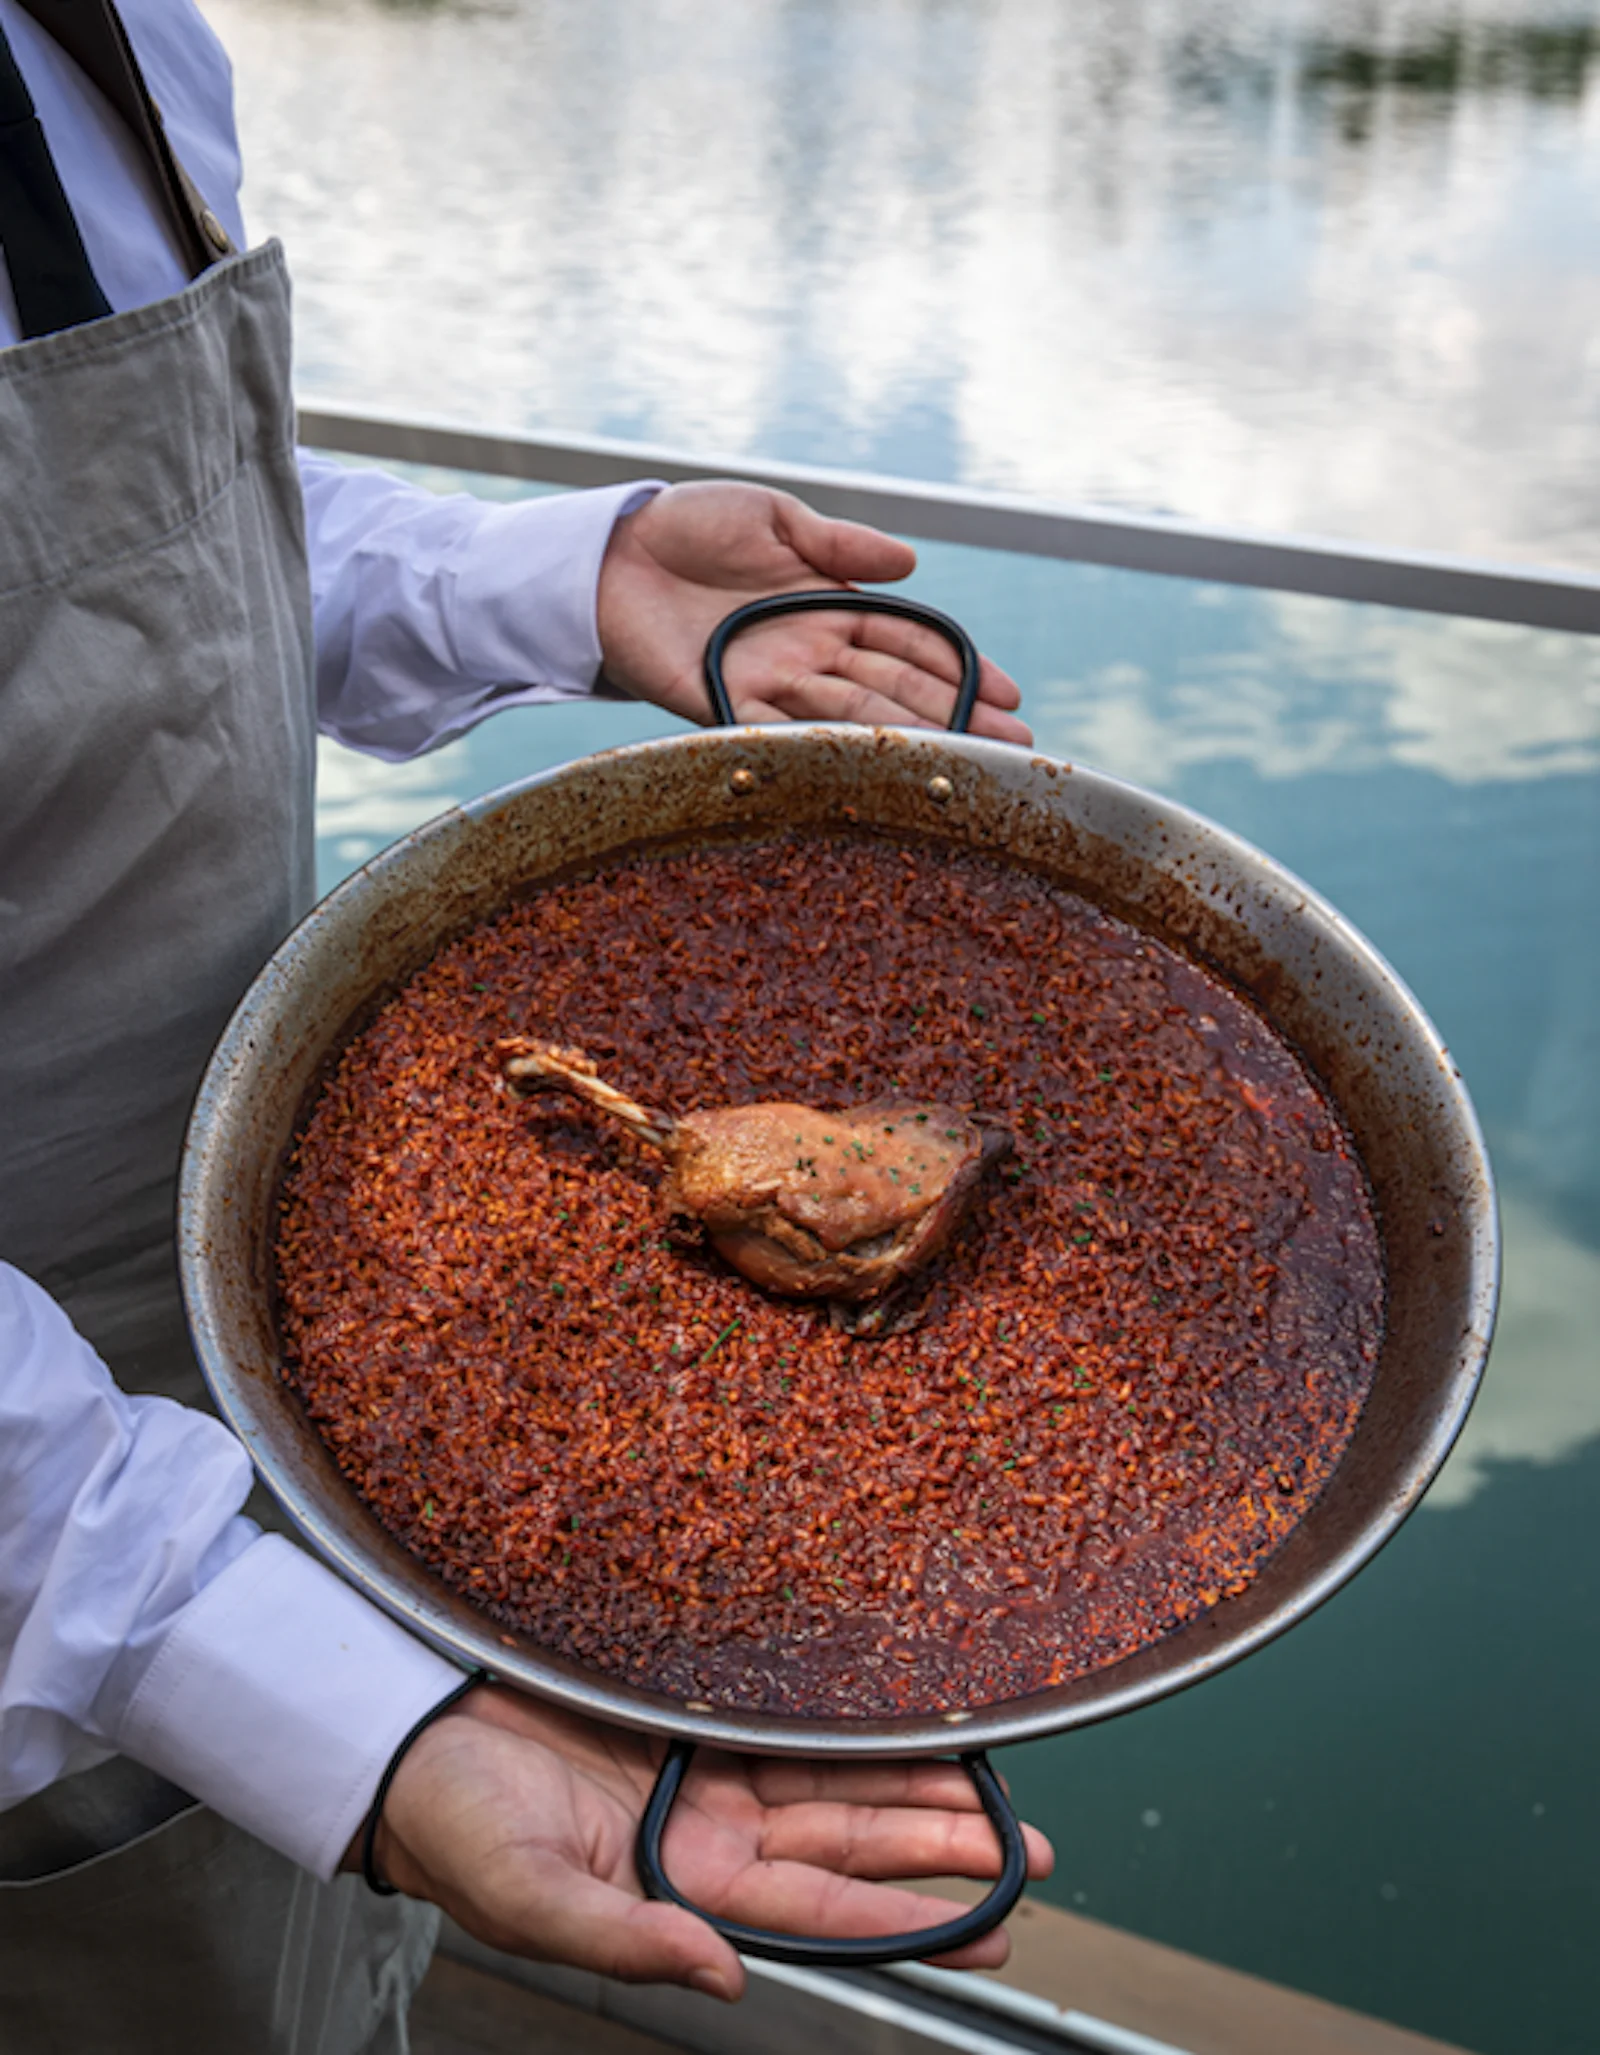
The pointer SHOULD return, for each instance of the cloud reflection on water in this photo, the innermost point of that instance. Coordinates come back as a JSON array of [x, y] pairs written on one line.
[[1540, 1400], [1325, 266], [1317, 686]]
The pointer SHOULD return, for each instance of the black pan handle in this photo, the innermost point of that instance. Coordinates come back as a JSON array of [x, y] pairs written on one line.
[[860, 1953], [845, 601]]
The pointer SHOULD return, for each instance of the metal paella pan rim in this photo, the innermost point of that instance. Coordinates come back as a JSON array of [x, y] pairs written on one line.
[[1199, 886]]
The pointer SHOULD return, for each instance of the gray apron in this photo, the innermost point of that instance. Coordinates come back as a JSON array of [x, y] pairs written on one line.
[[156, 761]]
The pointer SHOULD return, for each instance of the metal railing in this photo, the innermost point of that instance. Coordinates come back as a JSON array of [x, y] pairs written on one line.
[[909, 2010], [1534, 596]]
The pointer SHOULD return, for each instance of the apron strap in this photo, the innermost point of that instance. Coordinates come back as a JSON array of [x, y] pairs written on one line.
[[52, 279], [92, 34]]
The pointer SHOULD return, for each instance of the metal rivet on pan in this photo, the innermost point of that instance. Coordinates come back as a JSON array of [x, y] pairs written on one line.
[[742, 781], [957, 1719], [941, 790]]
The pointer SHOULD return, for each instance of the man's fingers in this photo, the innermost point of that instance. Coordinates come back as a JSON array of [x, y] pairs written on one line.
[[887, 1841], [897, 679], [800, 666], [903, 675], [996, 726], [778, 1781], [826, 696], [842, 549], [574, 1918], [795, 1898], [925, 649], [821, 696], [933, 700], [923, 653], [997, 687]]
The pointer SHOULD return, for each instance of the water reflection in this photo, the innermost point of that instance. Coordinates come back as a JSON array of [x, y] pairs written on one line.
[[1540, 1401], [362, 803], [1548, 60], [1325, 266], [1318, 686]]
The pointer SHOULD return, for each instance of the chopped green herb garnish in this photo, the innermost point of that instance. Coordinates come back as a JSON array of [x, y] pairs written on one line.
[[732, 1327]]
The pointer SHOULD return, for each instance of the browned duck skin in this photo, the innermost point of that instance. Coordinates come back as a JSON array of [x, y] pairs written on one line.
[[841, 1206]]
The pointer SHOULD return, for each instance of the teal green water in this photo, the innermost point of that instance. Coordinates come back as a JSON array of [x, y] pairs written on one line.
[[1395, 1807]]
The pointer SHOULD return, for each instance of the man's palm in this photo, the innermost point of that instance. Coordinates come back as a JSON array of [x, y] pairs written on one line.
[[695, 552], [519, 1820]]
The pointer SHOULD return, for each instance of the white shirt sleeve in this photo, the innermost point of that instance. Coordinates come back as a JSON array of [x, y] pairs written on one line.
[[432, 612], [142, 1614]]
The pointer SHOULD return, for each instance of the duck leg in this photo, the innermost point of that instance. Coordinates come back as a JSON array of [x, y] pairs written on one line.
[[841, 1206]]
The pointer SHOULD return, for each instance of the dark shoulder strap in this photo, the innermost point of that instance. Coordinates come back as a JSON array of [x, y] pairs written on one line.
[[52, 280], [92, 34]]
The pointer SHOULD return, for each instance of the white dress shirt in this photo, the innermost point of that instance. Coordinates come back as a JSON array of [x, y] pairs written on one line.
[[140, 1612]]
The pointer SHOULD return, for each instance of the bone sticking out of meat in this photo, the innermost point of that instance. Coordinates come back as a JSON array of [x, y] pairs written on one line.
[[840, 1206]]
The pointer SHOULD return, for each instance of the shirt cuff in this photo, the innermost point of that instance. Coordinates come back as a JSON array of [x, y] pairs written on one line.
[[526, 595], [278, 1698]]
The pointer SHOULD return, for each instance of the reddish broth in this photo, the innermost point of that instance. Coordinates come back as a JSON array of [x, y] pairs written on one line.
[[1140, 1361]]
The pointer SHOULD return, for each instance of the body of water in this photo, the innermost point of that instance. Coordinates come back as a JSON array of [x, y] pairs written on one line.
[[1325, 265]]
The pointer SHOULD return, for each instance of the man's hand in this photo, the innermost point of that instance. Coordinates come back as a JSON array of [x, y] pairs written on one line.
[[695, 552], [518, 1819]]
